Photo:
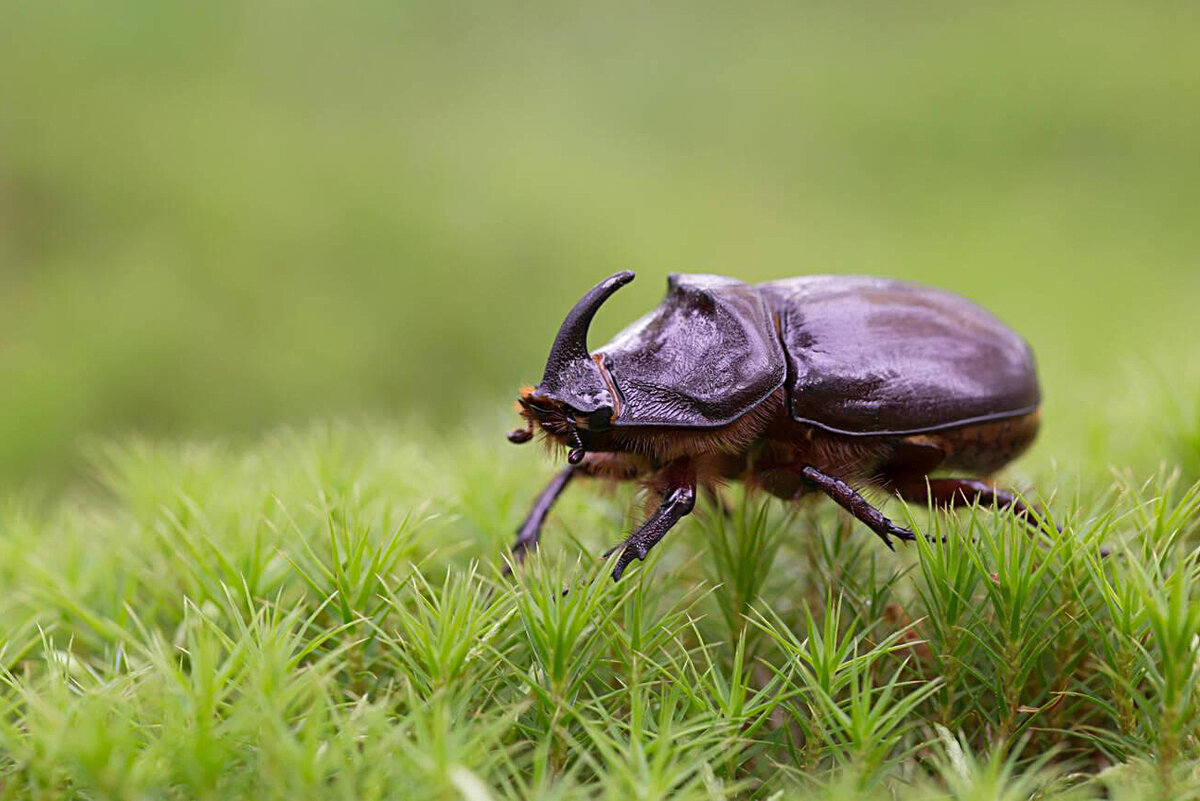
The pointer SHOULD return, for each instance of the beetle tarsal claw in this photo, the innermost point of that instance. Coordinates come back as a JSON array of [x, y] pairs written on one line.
[[902, 534], [629, 552]]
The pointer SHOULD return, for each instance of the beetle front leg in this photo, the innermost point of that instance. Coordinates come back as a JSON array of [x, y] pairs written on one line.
[[856, 505], [679, 498], [530, 531]]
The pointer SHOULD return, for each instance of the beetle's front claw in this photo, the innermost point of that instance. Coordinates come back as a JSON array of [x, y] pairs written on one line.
[[518, 553], [631, 550], [524, 545]]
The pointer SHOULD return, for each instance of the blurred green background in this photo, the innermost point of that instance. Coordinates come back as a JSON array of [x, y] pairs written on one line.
[[218, 216]]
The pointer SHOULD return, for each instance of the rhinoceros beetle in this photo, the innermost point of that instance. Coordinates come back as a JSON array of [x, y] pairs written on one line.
[[809, 384]]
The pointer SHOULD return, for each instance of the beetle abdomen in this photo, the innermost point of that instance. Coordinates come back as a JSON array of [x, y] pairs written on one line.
[[871, 356]]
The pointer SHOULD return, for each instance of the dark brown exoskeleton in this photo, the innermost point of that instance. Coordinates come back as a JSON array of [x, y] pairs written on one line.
[[818, 383]]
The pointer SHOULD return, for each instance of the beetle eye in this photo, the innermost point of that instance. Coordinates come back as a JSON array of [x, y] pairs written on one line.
[[599, 419], [536, 407]]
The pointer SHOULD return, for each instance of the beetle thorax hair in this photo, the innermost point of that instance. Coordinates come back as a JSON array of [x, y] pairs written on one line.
[[665, 444], [557, 426]]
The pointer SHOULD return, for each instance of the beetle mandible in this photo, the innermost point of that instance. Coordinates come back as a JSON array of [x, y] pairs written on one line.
[[810, 384]]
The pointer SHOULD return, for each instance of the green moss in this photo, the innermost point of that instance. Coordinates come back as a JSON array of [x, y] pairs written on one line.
[[321, 615]]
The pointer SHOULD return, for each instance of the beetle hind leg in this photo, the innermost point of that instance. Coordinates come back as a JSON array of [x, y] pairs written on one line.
[[954, 492]]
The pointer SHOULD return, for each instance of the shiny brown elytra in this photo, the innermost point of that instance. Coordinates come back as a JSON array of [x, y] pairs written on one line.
[[812, 384]]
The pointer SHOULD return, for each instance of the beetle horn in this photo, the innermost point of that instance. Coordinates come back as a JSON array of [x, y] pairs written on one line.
[[571, 377], [571, 343]]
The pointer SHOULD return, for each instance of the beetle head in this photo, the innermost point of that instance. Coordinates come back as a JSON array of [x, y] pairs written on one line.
[[573, 400]]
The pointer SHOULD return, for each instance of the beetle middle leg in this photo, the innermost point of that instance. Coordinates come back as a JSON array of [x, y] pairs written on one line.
[[678, 500], [716, 496], [857, 505]]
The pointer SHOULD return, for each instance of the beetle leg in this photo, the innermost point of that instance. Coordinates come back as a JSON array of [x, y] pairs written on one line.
[[856, 505], [679, 499], [718, 499], [531, 530], [951, 492]]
